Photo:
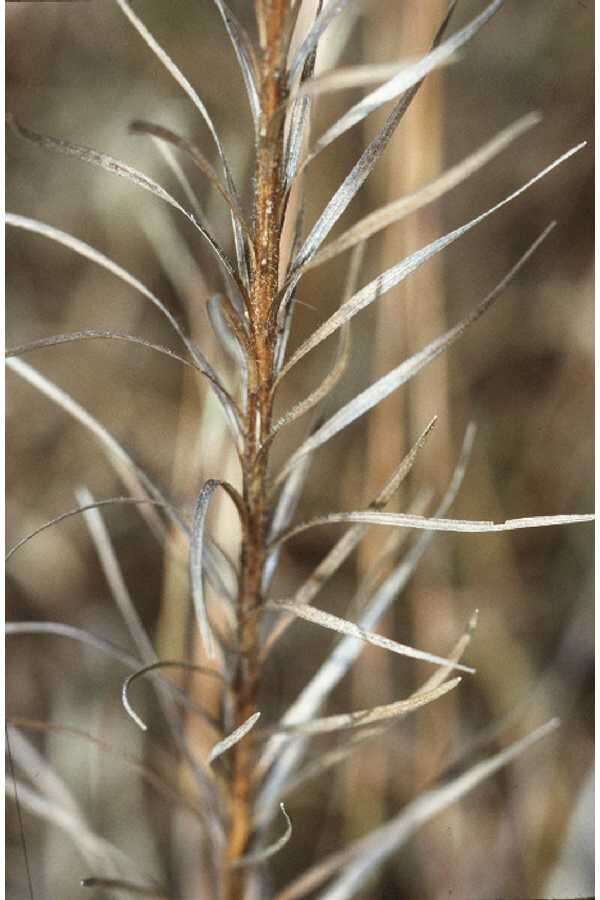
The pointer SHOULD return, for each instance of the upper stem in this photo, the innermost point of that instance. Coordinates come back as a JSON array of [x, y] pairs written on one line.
[[264, 282]]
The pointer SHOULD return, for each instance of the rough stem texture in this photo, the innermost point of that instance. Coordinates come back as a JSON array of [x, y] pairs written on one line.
[[268, 194]]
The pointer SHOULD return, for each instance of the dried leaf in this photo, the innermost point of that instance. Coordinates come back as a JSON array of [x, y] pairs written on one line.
[[342, 626], [260, 856], [196, 555], [343, 655], [397, 273], [363, 717], [162, 664], [85, 250], [166, 134], [384, 386], [89, 335], [407, 79], [122, 170], [235, 736], [433, 190], [368, 853], [425, 523], [310, 43], [182, 81], [246, 56], [132, 475], [351, 184], [75, 512]]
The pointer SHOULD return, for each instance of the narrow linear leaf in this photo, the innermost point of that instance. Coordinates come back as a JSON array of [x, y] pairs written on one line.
[[350, 186], [162, 664], [114, 576], [182, 81], [362, 717], [130, 887], [284, 511], [346, 77], [285, 759], [80, 636], [425, 523], [166, 134], [408, 369], [75, 512], [407, 79], [260, 856], [330, 11], [326, 761], [196, 555], [369, 853], [92, 846], [397, 273], [245, 54], [323, 390], [122, 170], [342, 626], [90, 335], [168, 155], [132, 475], [231, 739], [88, 252], [347, 543], [433, 190], [59, 629], [104, 746]]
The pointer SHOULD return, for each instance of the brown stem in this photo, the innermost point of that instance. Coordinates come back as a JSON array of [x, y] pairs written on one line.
[[268, 195]]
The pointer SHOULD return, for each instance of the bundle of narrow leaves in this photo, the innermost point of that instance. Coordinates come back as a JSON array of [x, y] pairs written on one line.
[[239, 767]]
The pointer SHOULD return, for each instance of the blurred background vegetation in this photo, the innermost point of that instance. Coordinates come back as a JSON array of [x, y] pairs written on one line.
[[524, 374]]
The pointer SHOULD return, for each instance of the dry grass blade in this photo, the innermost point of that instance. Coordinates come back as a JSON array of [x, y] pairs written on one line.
[[130, 887], [261, 856], [75, 512], [397, 273], [384, 841], [406, 79], [389, 383], [310, 43], [360, 718], [197, 552], [245, 54], [342, 626], [90, 335], [163, 664], [231, 739], [451, 178], [122, 170], [458, 651]]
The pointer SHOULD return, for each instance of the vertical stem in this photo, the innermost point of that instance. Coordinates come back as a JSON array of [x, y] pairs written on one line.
[[268, 193]]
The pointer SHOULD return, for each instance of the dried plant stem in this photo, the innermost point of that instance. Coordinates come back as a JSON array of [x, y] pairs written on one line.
[[264, 283]]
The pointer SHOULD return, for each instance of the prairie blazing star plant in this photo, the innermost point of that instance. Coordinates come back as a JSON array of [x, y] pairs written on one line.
[[232, 764]]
